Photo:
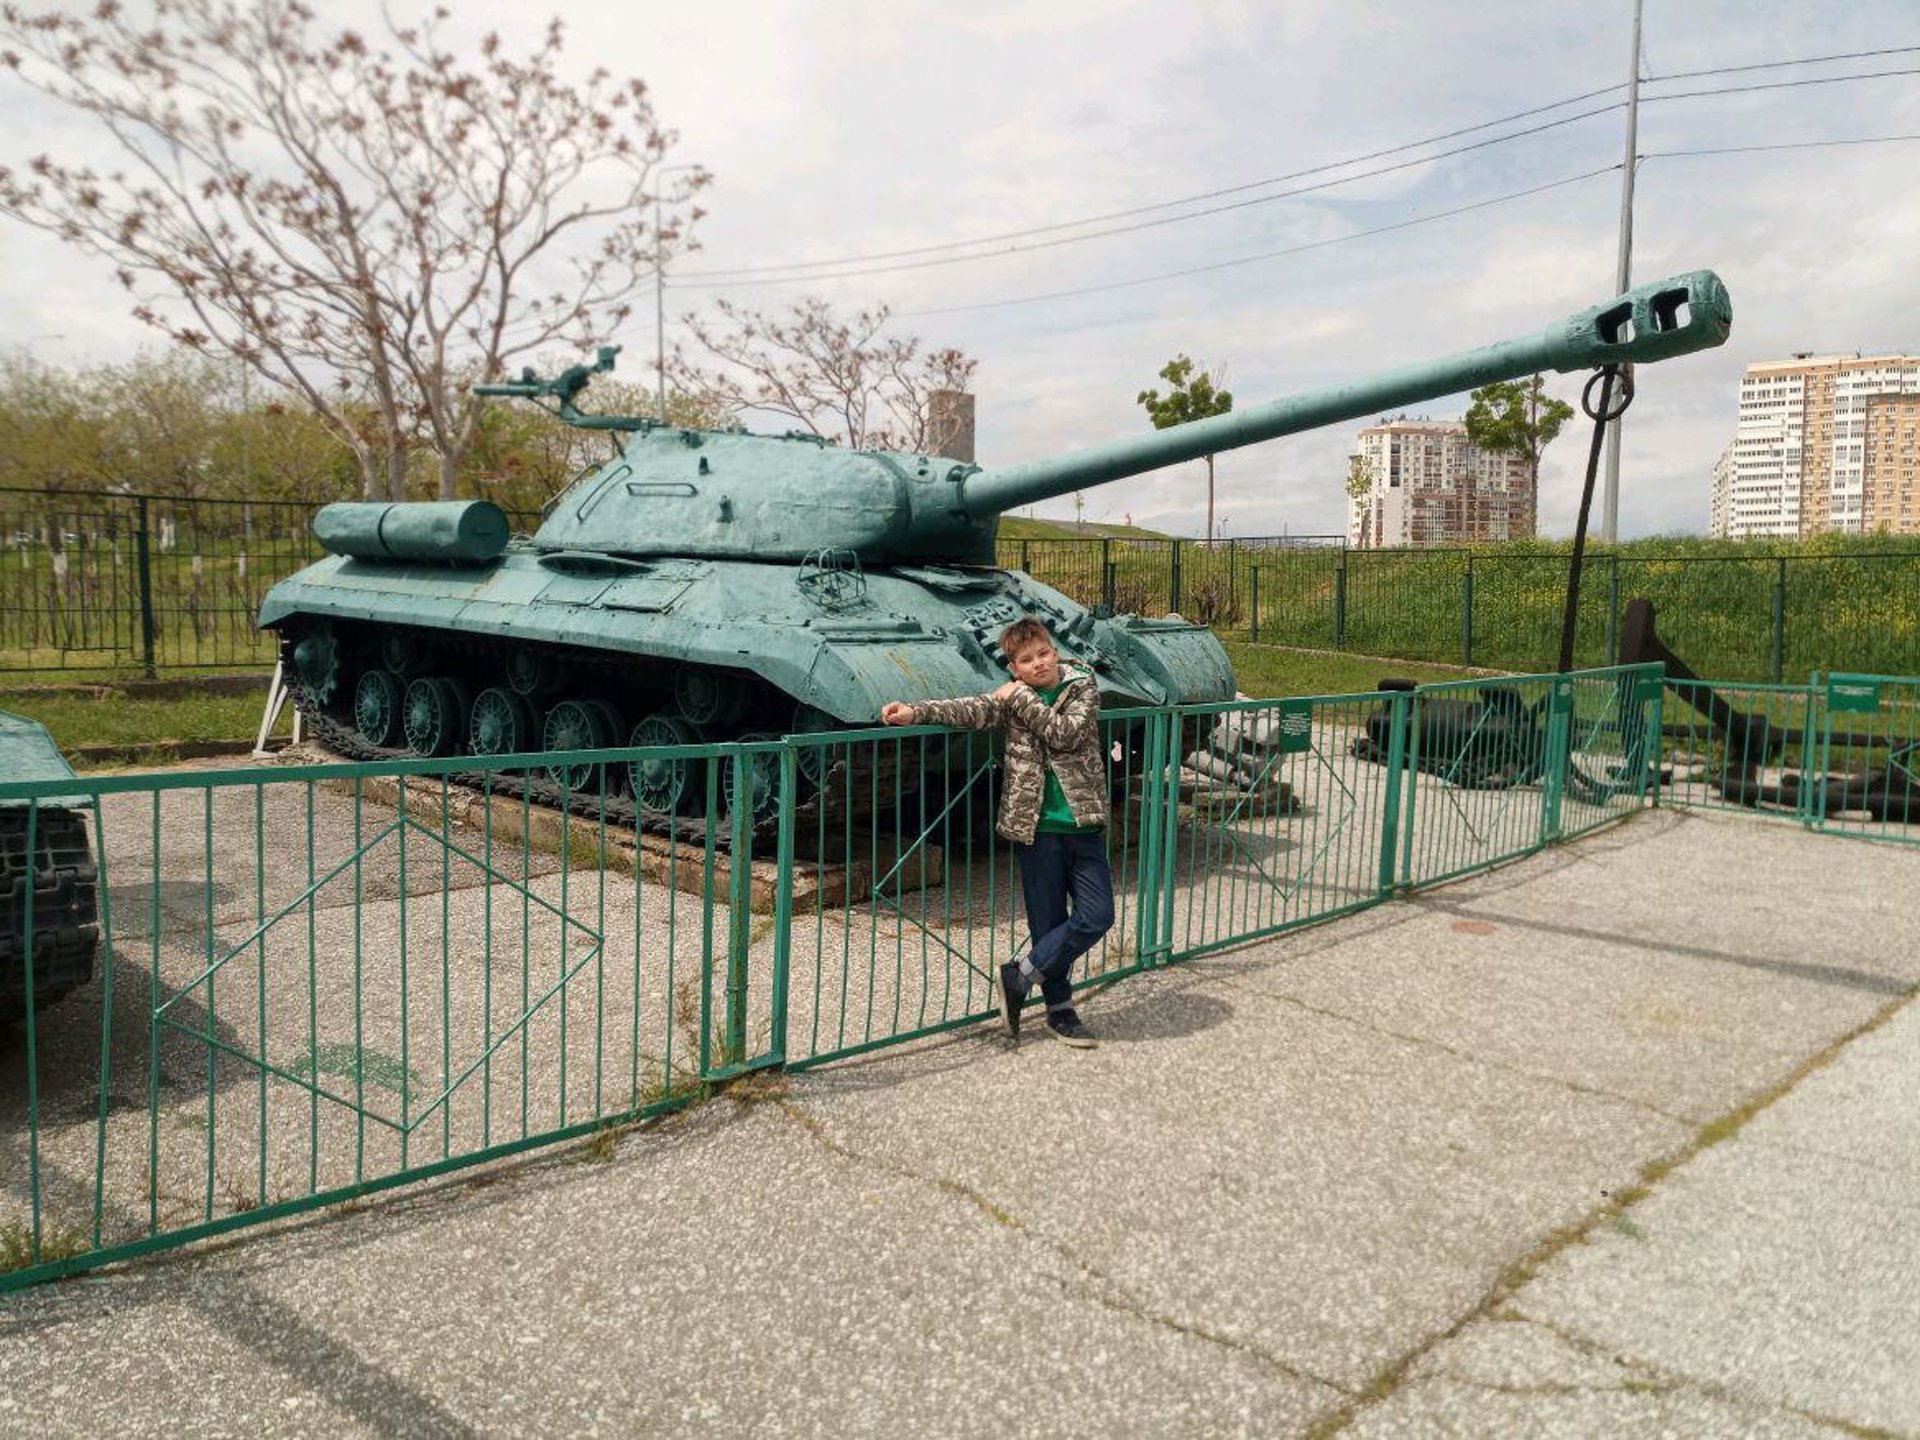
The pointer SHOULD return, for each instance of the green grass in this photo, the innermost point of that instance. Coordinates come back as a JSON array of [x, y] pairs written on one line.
[[1265, 671], [110, 715]]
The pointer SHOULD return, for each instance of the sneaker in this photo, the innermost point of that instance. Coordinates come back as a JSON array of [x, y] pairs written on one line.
[[1066, 1026], [1009, 991]]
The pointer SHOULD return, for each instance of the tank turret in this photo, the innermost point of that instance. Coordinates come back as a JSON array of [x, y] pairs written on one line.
[[705, 584]]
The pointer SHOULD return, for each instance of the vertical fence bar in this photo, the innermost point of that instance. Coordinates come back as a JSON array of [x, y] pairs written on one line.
[[1173, 580], [1777, 669], [1397, 775], [33, 1025], [1613, 610], [1559, 755], [144, 561], [1253, 593], [783, 897], [739, 921], [1466, 612], [1340, 603]]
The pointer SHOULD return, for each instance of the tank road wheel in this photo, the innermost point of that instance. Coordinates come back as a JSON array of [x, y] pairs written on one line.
[[671, 785], [376, 708], [815, 760], [704, 698], [502, 723], [435, 715], [316, 665], [762, 780], [529, 671], [580, 725], [403, 654]]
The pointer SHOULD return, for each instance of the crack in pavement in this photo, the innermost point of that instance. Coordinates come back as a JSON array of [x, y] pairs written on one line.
[[1659, 1379], [1595, 1092], [1098, 1287], [1520, 1272]]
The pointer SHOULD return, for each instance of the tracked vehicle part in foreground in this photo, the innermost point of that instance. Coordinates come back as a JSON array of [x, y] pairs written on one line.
[[1491, 743], [1752, 745], [710, 585], [44, 852]]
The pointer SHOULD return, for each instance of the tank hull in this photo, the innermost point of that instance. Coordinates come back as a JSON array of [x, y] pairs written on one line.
[[842, 642], [43, 852]]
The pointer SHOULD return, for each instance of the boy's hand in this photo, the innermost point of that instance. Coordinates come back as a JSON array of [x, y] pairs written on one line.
[[895, 713], [1008, 690]]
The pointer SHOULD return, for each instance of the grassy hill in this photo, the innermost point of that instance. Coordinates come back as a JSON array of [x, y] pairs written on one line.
[[1018, 527]]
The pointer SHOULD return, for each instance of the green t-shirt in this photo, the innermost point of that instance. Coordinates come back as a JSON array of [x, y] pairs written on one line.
[[1056, 815]]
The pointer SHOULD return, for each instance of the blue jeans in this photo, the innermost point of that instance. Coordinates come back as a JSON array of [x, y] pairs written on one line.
[[1054, 869]]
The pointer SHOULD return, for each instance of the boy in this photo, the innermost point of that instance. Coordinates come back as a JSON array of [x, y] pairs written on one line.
[[1054, 809]]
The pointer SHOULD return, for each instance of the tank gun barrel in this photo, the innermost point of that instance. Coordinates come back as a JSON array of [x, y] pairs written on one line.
[[1651, 322]]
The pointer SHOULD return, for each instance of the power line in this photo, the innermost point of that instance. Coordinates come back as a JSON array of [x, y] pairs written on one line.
[[1174, 204], [790, 272], [1782, 64], [1787, 145], [1782, 85], [935, 261], [1400, 225], [1268, 254], [1152, 224]]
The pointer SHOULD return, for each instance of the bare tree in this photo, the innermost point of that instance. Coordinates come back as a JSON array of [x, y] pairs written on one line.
[[844, 380], [370, 224]]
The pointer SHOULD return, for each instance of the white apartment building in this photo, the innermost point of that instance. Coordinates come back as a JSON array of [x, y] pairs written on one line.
[[1823, 443], [1721, 497], [1432, 486]]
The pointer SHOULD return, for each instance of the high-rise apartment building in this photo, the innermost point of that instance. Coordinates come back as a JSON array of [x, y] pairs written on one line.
[[1824, 442], [1430, 485]]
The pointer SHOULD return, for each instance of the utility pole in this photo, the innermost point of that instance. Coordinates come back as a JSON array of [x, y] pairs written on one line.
[[1623, 272], [660, 290], [660, 306]]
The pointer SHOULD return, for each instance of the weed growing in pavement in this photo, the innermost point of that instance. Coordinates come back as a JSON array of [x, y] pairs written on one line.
[[57, 1242]]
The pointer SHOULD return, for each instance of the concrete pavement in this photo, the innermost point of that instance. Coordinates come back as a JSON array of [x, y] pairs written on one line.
[[1617, 1139]]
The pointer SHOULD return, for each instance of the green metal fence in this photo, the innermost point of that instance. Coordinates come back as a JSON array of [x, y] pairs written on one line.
[[122, 581], [1760, 617], [1840, 755], [133, 582], [316, 982]]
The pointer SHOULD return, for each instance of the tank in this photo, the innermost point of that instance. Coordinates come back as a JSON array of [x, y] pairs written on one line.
[[709, 585], [44, 853]]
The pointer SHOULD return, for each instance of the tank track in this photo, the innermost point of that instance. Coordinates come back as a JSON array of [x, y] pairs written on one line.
[[829, 802], [66, 915]]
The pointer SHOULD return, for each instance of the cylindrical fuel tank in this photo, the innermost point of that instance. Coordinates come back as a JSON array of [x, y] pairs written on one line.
[[473, 531]]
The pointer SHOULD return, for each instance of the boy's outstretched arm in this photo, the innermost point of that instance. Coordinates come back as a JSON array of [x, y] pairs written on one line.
[[969, 712]]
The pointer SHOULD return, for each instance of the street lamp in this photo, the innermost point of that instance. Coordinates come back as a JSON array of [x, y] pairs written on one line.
[[660, 292]]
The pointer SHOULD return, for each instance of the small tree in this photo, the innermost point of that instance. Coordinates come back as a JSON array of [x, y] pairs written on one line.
[[1192, 394], [1360, 482], [1517, 417], [841, 379], [369, 224]]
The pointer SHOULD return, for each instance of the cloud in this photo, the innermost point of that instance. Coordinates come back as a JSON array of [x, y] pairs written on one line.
[[850, 128]]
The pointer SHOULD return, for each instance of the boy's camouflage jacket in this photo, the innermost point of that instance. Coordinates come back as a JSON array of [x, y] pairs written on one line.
[[1064, 736]]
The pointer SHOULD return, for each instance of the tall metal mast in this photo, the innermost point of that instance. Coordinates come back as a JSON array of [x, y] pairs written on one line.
[[1623, 272]]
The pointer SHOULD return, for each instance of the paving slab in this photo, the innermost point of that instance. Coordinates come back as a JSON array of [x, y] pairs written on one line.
[[1368, 1175]]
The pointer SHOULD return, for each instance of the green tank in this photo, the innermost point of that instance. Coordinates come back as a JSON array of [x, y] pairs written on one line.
[[44, 853], [706, 585]]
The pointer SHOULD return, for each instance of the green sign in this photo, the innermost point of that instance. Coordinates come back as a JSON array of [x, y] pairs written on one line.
[[1859, 693], [1646, 689], [1296, 727]]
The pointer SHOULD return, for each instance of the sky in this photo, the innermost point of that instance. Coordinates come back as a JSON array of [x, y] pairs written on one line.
[[837, 129]]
